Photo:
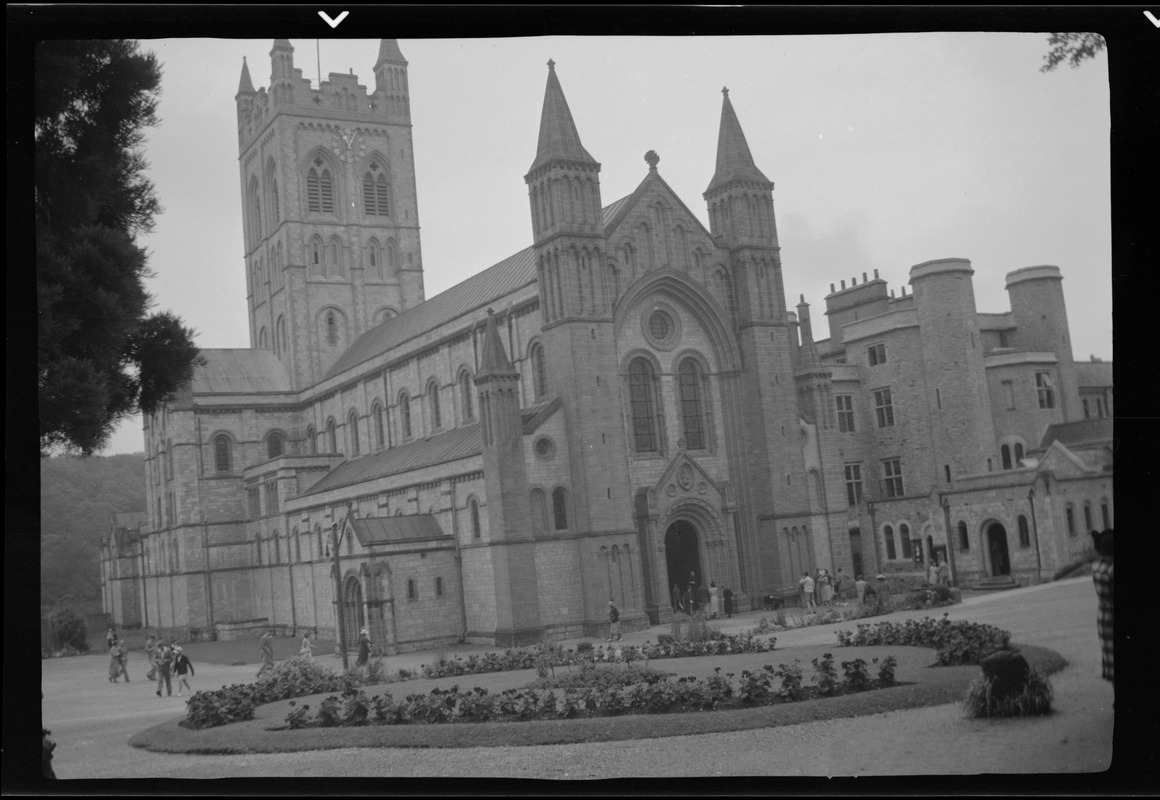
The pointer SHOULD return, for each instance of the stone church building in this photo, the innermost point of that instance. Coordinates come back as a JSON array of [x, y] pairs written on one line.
[[627, 400]]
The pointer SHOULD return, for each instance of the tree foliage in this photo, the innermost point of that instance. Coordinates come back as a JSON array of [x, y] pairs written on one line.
[[102, 355], [1074, 48], [78, 497]]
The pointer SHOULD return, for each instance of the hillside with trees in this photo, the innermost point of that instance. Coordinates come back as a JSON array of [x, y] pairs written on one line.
[[78, 496]]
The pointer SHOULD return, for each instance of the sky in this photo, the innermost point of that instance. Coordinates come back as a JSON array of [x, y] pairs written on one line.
[[886, 150]]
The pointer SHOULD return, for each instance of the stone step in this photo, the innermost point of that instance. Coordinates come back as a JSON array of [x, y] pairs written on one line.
[[996, 584]]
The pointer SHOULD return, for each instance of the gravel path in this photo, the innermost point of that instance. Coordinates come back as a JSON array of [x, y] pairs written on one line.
[[91, 727]]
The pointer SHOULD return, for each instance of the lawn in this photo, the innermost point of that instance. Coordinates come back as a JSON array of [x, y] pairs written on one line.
[[920, 684]]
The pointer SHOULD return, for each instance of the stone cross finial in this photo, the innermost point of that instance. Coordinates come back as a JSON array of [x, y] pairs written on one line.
[[652, 158], [725, 91], [551, 65]]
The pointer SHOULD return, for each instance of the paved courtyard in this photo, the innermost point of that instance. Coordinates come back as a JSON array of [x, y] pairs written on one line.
[[91, 721]]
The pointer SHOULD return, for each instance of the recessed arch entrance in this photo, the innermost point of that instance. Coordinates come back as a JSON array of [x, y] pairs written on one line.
[[683, 554], [353, 613], [997, 550]]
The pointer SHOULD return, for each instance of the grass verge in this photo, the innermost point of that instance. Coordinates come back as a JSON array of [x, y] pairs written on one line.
[[920, 684]]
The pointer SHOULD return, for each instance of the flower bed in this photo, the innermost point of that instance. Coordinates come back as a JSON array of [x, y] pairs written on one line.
[[958, 642], [651, 694]]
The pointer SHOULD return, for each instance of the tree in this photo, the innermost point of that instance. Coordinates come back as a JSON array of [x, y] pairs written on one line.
[[1071, 47], [102, 356]]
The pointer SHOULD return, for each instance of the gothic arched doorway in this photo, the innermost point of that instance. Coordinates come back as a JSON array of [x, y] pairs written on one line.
[[682, 554], [353, 618], [997, 548]]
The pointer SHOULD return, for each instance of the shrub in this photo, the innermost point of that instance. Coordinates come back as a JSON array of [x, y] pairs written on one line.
[[1034, 699], [856, 674], [299, 717], [68, 630], [958, 642], [791, 681], [826, 675], [886, 670], [602, 678], [206, 709]]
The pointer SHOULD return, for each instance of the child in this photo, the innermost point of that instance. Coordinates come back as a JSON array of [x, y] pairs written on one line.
[[181, 666]]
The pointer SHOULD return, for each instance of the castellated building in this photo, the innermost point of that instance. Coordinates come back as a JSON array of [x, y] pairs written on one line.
[[624, 402]]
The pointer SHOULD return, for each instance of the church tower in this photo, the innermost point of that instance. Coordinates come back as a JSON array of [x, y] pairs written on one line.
[[576, 308], [330, 208], [774, 489]]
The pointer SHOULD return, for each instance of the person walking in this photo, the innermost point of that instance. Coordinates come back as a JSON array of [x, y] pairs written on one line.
[[164, 663], [727, 595], [714, 600], [150, 647], [115, 664], [123, 658], [267, 647], [807, 588], [1103, 576], [841, 586], [110, 639], [308, 647], [183, 669], [678, 605], [860, 589], [613, 621]]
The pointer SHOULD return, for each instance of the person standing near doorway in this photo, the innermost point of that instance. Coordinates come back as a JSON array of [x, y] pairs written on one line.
[[267, 648]]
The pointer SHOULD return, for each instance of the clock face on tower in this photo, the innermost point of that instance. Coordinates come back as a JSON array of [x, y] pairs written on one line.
[[349, 145]]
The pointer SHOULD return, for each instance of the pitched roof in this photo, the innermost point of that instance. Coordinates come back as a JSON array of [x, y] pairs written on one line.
[[454, 445], [1079, 433], [532, 417], [229, 371], [389, 51], [493, 357], [395, 530], [245, 85], [476, 292], [1093, 373]]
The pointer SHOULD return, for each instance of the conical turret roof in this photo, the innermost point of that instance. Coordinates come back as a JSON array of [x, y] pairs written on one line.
[[282, 44], [493, 358], [559, 140], [734, 161], [389, 51], [245, 85]]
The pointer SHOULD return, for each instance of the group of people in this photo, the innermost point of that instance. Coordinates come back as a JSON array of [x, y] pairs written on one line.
[[166, 662], [819, 589], [938, 573], [695, 599]]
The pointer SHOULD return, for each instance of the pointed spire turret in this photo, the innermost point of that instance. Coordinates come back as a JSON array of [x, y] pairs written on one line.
[[559, 140], [493, 358], [809, 360], [245, 85], [734, 161], [389, 51]]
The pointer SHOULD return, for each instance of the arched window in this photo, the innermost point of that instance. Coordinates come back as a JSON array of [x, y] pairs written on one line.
[[221, 453], [560, 508], [1087, 515], [438, 586], [904, 536], [476, 528], [376, 259], [888, 535], [1104, 513], [377, 414], [316, 257], [311, 441], [318, 533], [466, 390], [1018, 453], [334, 259], [375, 193], [436, 415], [1005, 454], [964, 538], [319, 189], [258, 548], [539, 371], [1024, 532], [352, 432], [691, 379], [1070, 520], [412, 592], [331, 436], [405, 414], [275, 444], [642, 399], [331, 329], [539, 511]]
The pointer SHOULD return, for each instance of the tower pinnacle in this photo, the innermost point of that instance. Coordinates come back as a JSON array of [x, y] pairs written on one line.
[[559, 140], [245, 85], [734, 161]]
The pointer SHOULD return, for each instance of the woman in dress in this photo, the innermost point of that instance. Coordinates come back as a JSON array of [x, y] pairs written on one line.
[[825, 588], [364, 648], [115, 665], [714, 600], [1103, 577], [308, 648]]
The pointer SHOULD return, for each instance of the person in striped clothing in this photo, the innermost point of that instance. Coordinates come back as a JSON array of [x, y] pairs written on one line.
[[1103, 577]]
